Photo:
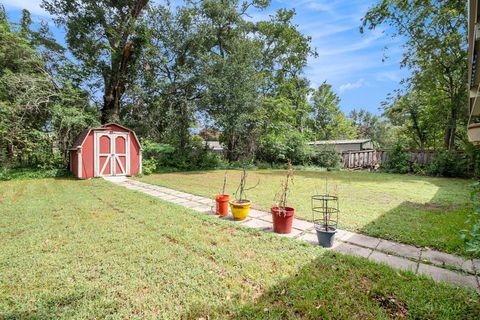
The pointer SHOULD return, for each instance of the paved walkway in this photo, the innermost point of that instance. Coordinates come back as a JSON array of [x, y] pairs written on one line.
[[437, 265]]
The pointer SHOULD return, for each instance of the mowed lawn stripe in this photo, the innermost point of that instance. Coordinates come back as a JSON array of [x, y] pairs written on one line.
[[90, 249]]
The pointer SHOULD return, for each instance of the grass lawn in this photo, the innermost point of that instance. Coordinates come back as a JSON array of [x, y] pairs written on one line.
[[90, 249], [422, 211]]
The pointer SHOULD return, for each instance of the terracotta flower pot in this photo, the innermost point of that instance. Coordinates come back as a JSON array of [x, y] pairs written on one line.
[[282, 219], [222, 204]]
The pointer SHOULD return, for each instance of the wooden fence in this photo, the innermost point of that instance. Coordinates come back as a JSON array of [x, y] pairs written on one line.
[[371, 159]]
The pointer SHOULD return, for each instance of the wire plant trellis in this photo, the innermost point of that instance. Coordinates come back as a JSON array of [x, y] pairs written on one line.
[[325, 212]]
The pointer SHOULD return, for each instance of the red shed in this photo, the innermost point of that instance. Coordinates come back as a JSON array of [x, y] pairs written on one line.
[[109, 150]]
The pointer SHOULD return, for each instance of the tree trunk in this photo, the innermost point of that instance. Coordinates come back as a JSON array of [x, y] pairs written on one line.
[[111, 104], [450, 131]]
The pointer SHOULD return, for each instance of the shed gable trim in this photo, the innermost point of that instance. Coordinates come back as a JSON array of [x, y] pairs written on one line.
[[85, 133]]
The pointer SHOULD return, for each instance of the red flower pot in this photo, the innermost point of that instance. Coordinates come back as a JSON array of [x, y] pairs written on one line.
[[222, 204], [282, 219]]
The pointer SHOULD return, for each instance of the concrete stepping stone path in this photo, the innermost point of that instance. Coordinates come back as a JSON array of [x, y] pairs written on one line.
[[440, 266]]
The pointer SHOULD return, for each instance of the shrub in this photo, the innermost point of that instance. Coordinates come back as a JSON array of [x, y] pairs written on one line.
[[327, 157], [158, 156], [398, 160], [149, 166], [471, 237], [448, 164], [281, 147]]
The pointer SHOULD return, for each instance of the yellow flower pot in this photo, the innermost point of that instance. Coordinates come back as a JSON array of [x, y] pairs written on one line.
[[241, 209]]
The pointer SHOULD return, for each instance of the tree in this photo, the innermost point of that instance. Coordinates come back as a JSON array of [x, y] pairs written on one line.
[[435, 52], [329, 122], [39, 110], [106, 37], [285, 52], [370, 126]]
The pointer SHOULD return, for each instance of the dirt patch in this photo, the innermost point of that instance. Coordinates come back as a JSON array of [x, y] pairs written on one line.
[[396, 309]]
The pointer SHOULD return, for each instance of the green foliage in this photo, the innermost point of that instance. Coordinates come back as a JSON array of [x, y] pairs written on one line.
[[398, 160], [160, 156], [278, 139], [370, 126], [471, 237], [149, 166], [106, 37], [433, 104], [329, 121], [31, 173], [278, 148], [447, 164], [41, 110], [327, 157]]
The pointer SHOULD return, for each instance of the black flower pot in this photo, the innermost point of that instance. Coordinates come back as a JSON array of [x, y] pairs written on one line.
[[326, 237]]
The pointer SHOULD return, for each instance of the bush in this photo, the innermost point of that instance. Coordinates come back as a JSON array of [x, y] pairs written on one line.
[[160, 156], [398, 160], [471, 237], [281, 147], [447, 164], [149, 166], [327, 157]]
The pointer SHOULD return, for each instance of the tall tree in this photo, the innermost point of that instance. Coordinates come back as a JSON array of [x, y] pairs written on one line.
[[285, 52], [370, 126], [39, 109], [435, 51], [329, 122], [106, 37]]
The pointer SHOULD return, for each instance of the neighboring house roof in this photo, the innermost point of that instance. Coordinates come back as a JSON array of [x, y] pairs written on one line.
[[214, 145], [334, 142]]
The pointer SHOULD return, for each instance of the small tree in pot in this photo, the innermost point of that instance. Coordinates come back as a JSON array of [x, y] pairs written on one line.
[[240, 206], [222, 199], [281, 214]]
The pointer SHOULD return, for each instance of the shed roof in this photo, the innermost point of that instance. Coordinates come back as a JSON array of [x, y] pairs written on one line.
[[353, 141], [83, 135], [214, 145]]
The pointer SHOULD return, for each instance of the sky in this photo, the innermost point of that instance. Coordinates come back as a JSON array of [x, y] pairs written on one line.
[[353, 63]]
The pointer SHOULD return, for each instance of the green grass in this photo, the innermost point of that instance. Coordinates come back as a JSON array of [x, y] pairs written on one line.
[[422, 211], [90, 249]]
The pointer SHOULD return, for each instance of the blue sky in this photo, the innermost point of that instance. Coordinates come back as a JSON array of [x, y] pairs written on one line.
[[348, 60]]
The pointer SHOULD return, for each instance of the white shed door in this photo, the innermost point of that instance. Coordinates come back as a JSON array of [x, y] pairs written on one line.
[[111, 153]]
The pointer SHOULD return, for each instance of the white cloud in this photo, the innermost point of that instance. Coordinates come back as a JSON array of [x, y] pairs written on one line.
[[390, 75], [31, 5], [351, 85]]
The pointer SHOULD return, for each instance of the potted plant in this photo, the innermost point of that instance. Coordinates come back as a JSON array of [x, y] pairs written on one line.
[[222, 199], [326, 208], [281, 214], [240, 206]]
